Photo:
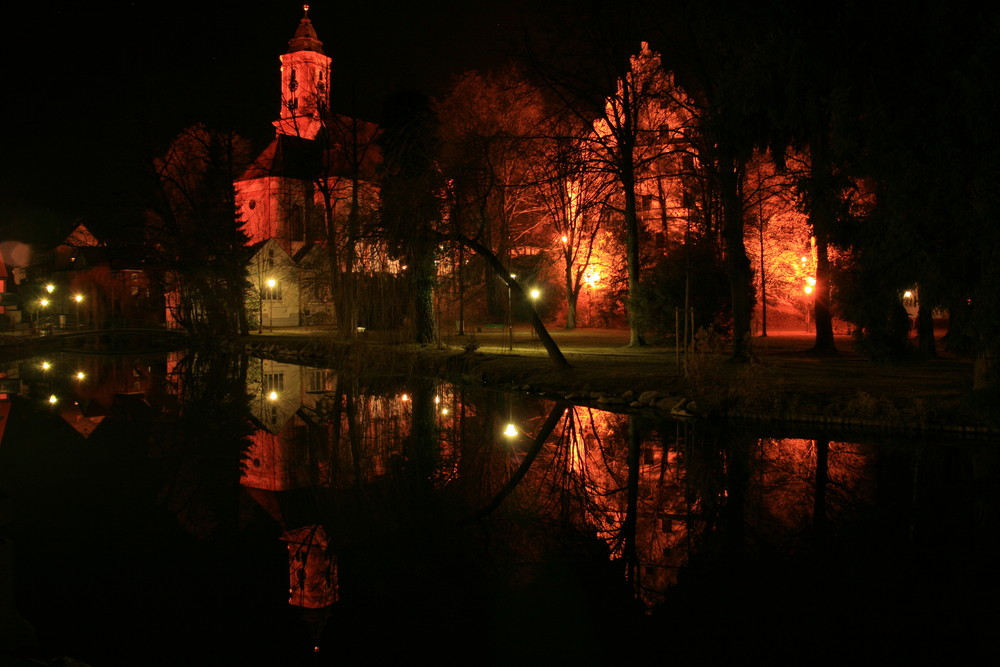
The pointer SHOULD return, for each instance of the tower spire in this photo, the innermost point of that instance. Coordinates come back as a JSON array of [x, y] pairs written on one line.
[[305, 82], [305, 38]]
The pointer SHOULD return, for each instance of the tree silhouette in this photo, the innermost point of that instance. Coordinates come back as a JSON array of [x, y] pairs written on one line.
[[199, 234]]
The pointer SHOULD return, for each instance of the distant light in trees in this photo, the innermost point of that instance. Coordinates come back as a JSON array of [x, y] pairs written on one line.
[[50, 288], [78, 298], [80, 375], [510, 431], [535, 294], [46, 365], [273, 396], [53, 400], [907, 294], [44, 303]]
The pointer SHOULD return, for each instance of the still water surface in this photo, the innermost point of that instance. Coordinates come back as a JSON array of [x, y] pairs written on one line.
[[211, 509]]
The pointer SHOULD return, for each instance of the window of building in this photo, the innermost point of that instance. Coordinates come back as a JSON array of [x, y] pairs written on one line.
[[319, 379], [273, 382], [269, 293]]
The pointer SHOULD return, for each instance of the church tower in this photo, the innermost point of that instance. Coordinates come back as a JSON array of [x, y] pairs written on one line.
[[305, 83]]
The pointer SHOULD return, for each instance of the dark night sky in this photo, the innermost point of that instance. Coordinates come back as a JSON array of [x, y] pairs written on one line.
[[95, 88]]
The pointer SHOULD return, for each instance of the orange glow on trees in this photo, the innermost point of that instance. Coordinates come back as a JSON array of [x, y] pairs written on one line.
[[633, 140]]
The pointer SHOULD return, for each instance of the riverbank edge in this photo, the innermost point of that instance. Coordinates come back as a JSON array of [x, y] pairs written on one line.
[[657, 393], [652, 389]]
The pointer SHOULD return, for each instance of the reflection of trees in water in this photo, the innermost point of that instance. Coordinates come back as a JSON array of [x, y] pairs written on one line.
[[202, 446], [660, 495]]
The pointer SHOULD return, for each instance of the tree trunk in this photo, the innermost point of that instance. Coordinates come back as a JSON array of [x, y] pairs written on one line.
[[822, 219], [425, 275], [632, 259], [737, 263], [824, 343], [763, 281], [571, 295], [555, 354]]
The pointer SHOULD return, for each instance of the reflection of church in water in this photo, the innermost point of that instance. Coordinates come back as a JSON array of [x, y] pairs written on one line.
[[300, 413]]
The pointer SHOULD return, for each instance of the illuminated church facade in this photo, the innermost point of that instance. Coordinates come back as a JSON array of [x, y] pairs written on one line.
[[305, 196]]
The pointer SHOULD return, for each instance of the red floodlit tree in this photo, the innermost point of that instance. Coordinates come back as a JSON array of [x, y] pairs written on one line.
[[633, 136], [777, 239], [573, 201]]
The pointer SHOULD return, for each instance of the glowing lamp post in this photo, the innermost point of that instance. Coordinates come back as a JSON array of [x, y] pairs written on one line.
[[510, 315], [591, 278], [534, 294], [78, 298], [510, 431], [808, 289], [43, 303], [269, 293]]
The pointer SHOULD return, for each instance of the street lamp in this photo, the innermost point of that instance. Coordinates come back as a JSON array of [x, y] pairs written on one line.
[[78, 298], [270, 303], [808, 289], [42, 303], [534, 294], [591, 278], [510, 315]]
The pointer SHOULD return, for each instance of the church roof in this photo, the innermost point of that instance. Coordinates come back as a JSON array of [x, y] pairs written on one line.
[[288, 157], [305, 36], [346, 144]]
